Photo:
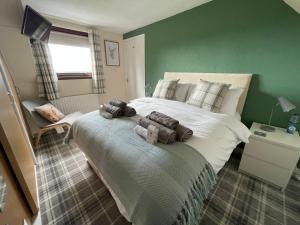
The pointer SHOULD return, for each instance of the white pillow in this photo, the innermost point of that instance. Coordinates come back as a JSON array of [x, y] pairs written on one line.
[[231, 100], [181, 92]]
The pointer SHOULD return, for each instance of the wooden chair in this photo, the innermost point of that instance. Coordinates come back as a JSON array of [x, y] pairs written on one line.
[[42, 124]]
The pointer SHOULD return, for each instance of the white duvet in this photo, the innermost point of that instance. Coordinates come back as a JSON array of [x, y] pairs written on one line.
[[215, 135]]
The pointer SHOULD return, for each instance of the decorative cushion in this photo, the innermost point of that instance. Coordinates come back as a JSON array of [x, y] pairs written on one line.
[[190, 91], [181, 92], [50, 112], [165, 89], [208, 95], [231, 101]]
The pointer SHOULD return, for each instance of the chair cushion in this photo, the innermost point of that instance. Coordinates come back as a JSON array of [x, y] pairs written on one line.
[[37, 119], [70, 118]]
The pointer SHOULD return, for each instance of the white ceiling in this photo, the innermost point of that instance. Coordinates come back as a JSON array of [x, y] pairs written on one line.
[[118, 16]]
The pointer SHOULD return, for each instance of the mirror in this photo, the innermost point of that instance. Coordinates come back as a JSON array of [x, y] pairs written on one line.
[[2, 192]]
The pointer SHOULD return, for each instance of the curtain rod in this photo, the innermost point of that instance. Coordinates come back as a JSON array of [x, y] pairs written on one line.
[[69, 31]]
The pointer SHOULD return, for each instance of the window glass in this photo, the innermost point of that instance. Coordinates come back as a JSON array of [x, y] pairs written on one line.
[[70, 59]]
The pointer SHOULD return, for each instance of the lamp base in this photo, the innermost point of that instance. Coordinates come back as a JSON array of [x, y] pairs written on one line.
[[267, 128]]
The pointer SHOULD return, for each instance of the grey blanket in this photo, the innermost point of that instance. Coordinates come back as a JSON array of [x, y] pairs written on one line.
[[157, 184]]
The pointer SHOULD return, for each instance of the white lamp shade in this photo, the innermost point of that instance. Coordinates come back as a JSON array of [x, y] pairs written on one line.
[[285, 104]]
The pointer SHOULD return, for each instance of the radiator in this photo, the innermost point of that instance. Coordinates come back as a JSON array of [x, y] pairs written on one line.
[[78, 103]]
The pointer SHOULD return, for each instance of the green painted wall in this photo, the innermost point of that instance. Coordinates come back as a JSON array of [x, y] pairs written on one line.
[[261, 37]]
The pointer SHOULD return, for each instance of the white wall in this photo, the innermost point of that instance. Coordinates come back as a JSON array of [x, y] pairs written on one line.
[[15, 48], [17, 53]]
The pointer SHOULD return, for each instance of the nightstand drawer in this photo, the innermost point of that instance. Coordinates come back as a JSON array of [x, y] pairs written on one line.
[[275, 154], [265, 171]]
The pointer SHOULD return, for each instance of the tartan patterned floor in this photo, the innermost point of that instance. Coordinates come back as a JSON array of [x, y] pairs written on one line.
[[71, 193]]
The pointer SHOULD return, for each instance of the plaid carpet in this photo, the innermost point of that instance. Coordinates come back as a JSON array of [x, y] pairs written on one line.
[[71, 193]]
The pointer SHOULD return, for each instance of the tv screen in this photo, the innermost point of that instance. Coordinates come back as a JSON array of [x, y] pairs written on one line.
[[35, 26]]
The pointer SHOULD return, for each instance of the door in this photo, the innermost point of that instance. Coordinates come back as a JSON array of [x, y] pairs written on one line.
[[14, 208], [15, 140], [135, 66]]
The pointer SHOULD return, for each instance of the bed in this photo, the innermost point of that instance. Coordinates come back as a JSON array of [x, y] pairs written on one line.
[[163, 184]]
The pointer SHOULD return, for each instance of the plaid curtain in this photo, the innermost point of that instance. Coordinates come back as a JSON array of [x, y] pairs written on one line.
[[97, 75], [46, 78]]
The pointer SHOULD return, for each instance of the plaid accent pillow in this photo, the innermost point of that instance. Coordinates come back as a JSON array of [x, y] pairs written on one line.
[[208, 95], [165, 89]]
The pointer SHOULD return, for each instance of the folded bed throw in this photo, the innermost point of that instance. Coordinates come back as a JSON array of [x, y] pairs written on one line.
[[165, 135], [163, 119], [157, 184]]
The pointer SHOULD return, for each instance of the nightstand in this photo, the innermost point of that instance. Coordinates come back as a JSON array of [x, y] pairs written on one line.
[[272, 158]]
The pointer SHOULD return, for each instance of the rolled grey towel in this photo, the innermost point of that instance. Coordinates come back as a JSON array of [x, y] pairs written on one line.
[[183, 133], [114, 110], [129, 111], [163, 119], [141, 131], [106, 115], [165, 135], [150, 134], [118, 103]]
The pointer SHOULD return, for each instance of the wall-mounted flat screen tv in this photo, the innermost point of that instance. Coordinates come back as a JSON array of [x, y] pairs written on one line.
[[35, 25]]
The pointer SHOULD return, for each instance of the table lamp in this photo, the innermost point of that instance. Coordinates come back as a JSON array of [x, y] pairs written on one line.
[[286, 106]]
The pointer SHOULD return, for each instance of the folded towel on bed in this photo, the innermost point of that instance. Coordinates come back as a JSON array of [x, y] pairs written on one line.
[[163, 119], [150, 134], [129, 111], [141, 131], [165, 135], [106, 115], [114, 110], [118, 103], [183, 133]]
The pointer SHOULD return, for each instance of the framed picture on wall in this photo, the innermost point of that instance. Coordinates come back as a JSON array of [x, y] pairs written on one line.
[[112, 53]]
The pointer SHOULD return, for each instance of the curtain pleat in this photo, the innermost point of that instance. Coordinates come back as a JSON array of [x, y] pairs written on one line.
[[46, 77], [97, 74]]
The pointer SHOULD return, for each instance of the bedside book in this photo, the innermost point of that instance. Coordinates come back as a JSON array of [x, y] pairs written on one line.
[[271, 158]]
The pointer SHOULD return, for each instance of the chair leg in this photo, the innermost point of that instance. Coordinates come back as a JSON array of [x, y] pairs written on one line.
[[38, 137], [68, 130]]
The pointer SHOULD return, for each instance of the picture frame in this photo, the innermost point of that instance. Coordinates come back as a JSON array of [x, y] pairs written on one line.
[[112, 54]]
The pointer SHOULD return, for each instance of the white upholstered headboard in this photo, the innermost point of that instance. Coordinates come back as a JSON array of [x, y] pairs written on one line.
[[236, 80]]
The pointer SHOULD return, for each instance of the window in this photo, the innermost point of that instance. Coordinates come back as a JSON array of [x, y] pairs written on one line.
[[71, 62]]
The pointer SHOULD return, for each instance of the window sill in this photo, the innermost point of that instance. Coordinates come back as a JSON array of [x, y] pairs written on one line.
[[73, 76]]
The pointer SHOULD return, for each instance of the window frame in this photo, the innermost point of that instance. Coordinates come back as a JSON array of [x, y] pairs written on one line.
[[71, 76]]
